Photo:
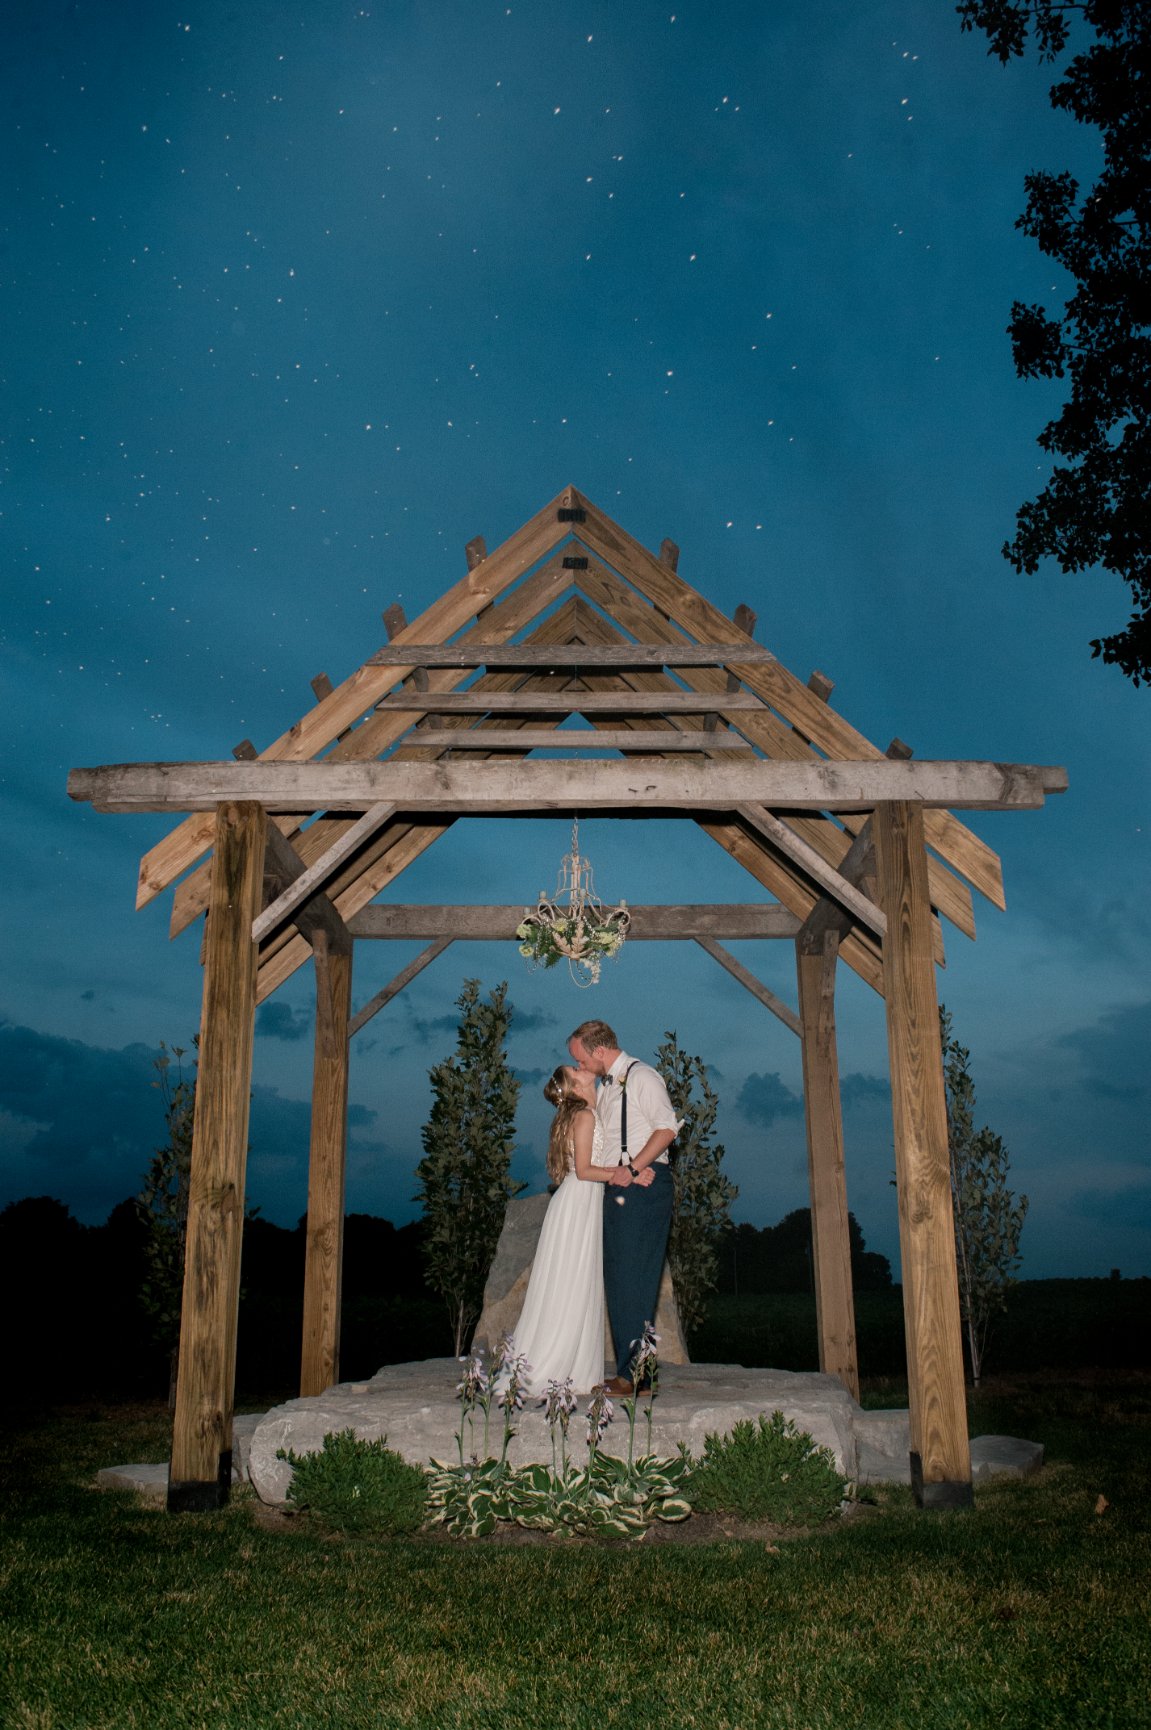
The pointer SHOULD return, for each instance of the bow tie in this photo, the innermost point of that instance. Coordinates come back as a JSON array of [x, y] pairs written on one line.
[[606, 1080]]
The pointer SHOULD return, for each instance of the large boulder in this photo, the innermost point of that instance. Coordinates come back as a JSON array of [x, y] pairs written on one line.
[[415, 1407], [511, 1270]]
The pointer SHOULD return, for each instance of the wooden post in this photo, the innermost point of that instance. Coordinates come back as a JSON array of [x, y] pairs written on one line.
[[200, 1473], [830, 1235], [323, 1267], [940, 1451]]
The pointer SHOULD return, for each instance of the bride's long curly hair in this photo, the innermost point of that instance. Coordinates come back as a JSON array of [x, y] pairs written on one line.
[[558, 1092]]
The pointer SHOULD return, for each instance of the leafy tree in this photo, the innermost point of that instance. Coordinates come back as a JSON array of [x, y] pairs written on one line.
[[465, 1173], [988, 1217], [702, 1195], [1095, 508], [163, 1207]]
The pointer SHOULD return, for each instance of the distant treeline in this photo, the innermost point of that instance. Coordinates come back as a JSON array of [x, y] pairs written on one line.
[[76, 1326], [778, 1258]]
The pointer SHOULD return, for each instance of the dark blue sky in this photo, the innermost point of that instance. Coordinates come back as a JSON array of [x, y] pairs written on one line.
[[297, 300]]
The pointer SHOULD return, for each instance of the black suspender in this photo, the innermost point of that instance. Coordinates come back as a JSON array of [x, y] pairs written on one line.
[[622, 1084]]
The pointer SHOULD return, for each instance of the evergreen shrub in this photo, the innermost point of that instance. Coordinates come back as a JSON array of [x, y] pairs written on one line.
[[767, 1471], [353, 1485]]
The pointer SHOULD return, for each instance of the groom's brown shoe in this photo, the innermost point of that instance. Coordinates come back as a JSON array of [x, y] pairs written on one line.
[[620, 1386]]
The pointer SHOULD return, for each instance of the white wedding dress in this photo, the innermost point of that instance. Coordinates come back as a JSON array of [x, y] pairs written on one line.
[[560, 1330]]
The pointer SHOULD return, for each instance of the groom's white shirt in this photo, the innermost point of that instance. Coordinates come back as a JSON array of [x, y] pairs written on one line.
[[648, 1109]]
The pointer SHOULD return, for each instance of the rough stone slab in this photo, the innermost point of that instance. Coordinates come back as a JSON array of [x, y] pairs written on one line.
[[1004, 1457], [150, 1481], [244, 1426], [883, 1439], [415, 1407]]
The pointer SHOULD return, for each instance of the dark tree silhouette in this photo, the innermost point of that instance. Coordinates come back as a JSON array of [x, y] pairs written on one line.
[[1095, 509]]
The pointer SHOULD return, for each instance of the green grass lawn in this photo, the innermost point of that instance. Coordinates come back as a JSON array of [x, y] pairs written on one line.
[[1029, 1611]]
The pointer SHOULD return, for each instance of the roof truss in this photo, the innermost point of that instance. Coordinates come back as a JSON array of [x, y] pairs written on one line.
[[570, 617]]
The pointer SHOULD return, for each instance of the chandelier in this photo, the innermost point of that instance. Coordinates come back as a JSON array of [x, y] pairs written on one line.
[[573, 925]]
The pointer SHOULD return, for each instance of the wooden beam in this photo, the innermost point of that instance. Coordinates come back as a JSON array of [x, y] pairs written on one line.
[[654, 924], [327, 1163], [680, 653], [200, 1473], [308, 882], [395, 619], [475, 552], [379, 732], [832, 916], [669, 554], [756, 986], [403, 977], [814, 720], [823, 1115], [283, 866], [357, 693], [766, 730], [475, 788], [805, 856], [567, 702], [940, 1453], [582, 739], [382, 859]]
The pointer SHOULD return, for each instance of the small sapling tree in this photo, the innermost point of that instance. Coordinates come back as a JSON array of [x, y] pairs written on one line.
[[465, 1181], [702, 1195], [988, 1216], [163, 1207]]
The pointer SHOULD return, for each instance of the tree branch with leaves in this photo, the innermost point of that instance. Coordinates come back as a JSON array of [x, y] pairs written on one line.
[[1096, 507], [988, 1216], [465, 1181], [702, 1195]]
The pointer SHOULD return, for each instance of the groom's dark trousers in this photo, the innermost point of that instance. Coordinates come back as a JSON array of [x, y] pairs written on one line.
[[634, 1246]]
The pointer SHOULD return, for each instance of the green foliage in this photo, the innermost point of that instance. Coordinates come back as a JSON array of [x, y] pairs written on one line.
[[1094, 508], [1028, 1610], [353, 1485], [607, 1498], [163, 1203], [769, 1471], [703, 1196], [988, 1217], [465, 1182]]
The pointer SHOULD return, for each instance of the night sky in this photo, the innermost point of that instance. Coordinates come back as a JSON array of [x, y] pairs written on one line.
[[298, 299]]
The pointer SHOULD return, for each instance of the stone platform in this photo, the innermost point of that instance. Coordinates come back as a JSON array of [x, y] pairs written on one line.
[[415, 1407]]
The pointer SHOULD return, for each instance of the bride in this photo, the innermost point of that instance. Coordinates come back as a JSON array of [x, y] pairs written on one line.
[[560, 1331]]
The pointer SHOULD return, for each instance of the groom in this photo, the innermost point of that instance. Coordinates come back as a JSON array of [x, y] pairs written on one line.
[[634, 1231]]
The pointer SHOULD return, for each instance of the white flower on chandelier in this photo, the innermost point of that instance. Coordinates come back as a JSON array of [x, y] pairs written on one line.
[[574, 925]]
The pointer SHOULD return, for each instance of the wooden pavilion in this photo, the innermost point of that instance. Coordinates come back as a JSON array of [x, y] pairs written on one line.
[[689, 717]]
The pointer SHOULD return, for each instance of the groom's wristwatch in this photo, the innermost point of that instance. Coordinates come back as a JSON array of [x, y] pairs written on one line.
[[631, 1168]]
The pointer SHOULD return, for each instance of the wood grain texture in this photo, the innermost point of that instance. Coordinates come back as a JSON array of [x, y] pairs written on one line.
[[323, 1264], [679, 653], [649, 923], [380, 732], [768, 732], [926, 1229], [394, 986], [823, 1114], [814, 720], [747, 979], [363, 688], [478, 787], [205, 1388]]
